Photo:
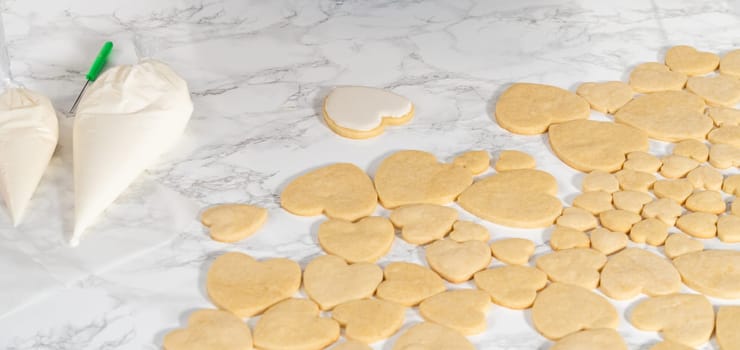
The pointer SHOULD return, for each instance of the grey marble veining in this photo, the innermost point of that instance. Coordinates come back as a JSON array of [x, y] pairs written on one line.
[[258, 71]]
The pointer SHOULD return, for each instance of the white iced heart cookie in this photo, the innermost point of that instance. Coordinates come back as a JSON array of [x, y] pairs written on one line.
[[28, 137], [361, 112], [125, 120]]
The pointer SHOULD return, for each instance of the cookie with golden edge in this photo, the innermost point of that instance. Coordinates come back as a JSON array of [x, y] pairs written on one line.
[[633, 271], [339, 237], [210, 329], [718, 90], [682, 318], [432, 336], [588, 145], [728, 228], [463, 310], [514, 160], [469, 231], [413, 177], [642, 161], [706, 202], [618, 220], [369, 320], [633, 180], [361, 112], [679, 244], [697, 224], [329, 281], [233, 222], [558, 311], [423, 223], [705, 178], [294, 324], [606, 241], [675, 166], [727, 134], [631, 200], [651, 231], [408, 284], [512, 286], [475, 161], [457, 261], [237, 283], [529, 109], [577, 266], [341, 191], [654, 77], [566, 238], [515, 251], [598, 180], [600, 338], [714, 273], [728, 317], [688, 60], [694, 149], [595, 202], [606, 97]]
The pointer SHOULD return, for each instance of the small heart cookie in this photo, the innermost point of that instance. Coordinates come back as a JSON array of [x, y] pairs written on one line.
[[233, 222], [634, 271], [688, 60], [408, 284], [618, 220], [294, 324], [728, 228], [606, 97], [724, 116], [463, 310], [457, 261], [210, 329], [330, 281], [577, 266], [412, 177], [679, 244], [360, 112], [515, 251], [675, 166], [339, 237], [341, 191], [578, 219], [514, 160], [512, 286], [475, 161], [633, 180], [469, 231], [431, 336], [723, 156], [730, 64], [727, 134], [423, 223], [731, 185], [650, 231], [631, 200], [718, 90], [601, 338], [654, 77], [566, 238], [677, 189], [529, 109], [558, 311], [706, 202], [369, 320], [693, 149], [666, 210], [699, 225], [598, 180], [705, 178], [595, 202], [607, 242], [682, 318], [642, 161], [238, 283]]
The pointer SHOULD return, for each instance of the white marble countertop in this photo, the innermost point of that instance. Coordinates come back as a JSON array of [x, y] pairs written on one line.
[[258, 72]]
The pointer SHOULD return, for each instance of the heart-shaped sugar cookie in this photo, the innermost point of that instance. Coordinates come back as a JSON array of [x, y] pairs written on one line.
[[340, 238], [469, 231], [567, 238], [631, 200], [634, 271], [408, 284], [361, 112], [718, 90], [341, 191], [642, 161], [463, 310], [714, 273], [730, 64], [675, 166], [529, 109], [606, 97], [724, 116], [210, 329], [654, 77], [728, 228], [665, 209], [369, 320], [601, 339], [411, 177], [723, 156], [682, 318], [728, 317], [512, 286], [577, 219], [694, 149], [688, 60], [697, 224], [431, 336], [352, 345], [650, 231], [238, 283], [705, 178], [577, 266], [475, 161], [677, 190], [634, 180], [294, 324], [513, 250], [679, 244], [423, 223], [607, 241], [458, 261], [330, 281], [514, 160], [731, 185], [559, 311], [233, 222], [598, 180]]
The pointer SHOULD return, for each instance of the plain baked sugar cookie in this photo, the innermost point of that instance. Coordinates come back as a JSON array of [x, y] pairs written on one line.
[[457, 261], [724, 116], [469, 231], [600, 338], [606, 97], [515, 251], [529, 109], [694, 149], [730, 64], [432, 336], [688, 60], [463, 310], [558, 311], [514, 160], [330, 281], [598, 180], [408, 284], [682, 318], [679, 244], [340, 238], [606, 241], [654, 77], [577, 266], [210, 329], [512, 286], [634, 271], [423, 223], [715, 273], [233, 222], [475, 161], [361, 112], [728, 317], [294, 324], [719, 90], [369, 320]]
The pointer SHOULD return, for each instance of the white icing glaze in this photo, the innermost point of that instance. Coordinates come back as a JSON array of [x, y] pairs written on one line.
[[363, 108], [127, 118], [28, 136]]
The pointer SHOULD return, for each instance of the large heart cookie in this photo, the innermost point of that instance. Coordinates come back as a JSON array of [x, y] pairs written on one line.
[[529, 109], [238, 283], [339, 237], [411, 177], [408, 284], [634, 271], [559, 311], [341, 191], [578, 266], [294, 324], [601, 339], [431, 336], [330, 281], [423, 223], [369, 320], [458, 261], [210, 329], [682, 318], [719, 90], [463, 310], [512, 286], [715, 273], [688, 60], [588, 145], [606, 97], [233, 222], [361, 112], [667, 116]]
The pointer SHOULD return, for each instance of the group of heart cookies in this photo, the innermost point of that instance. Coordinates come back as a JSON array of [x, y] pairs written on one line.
[[628, 195]]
